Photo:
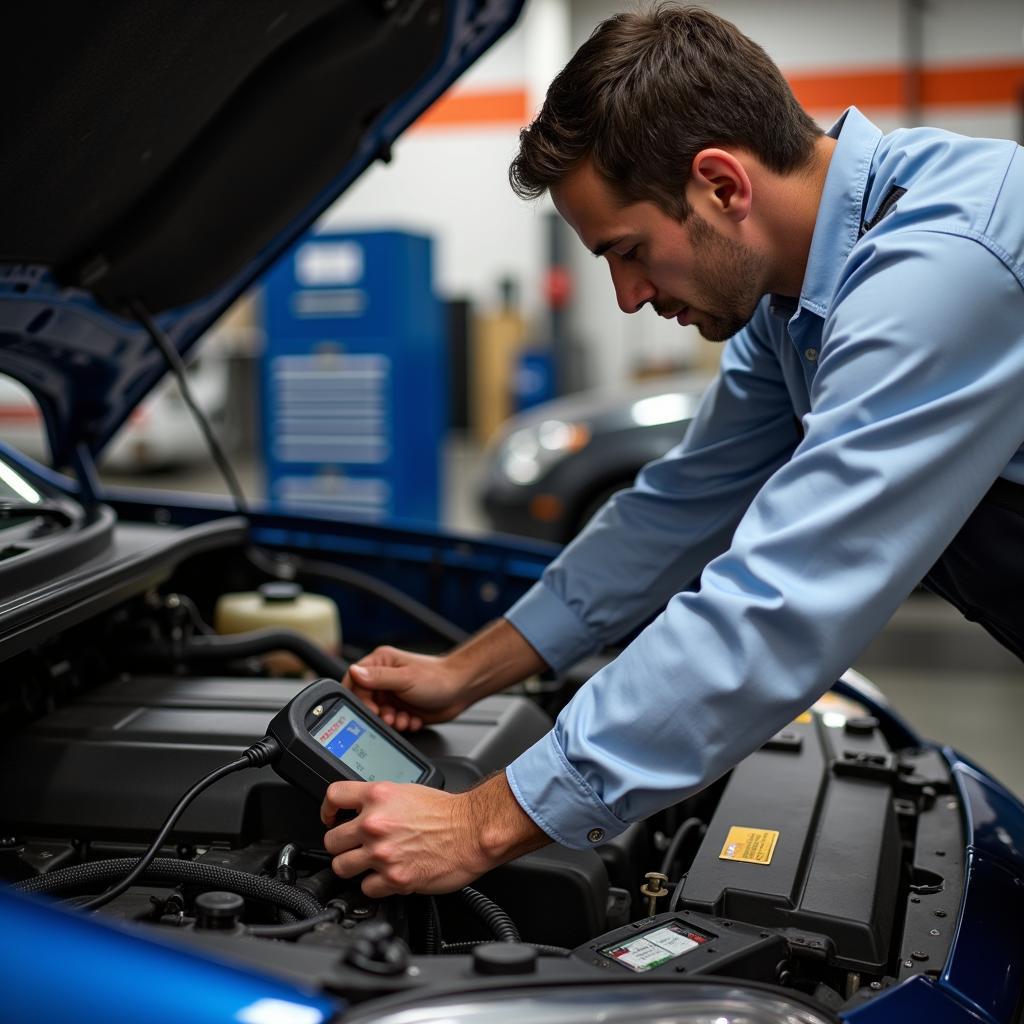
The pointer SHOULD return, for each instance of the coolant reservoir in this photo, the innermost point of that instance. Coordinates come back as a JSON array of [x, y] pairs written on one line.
[[282, 606]]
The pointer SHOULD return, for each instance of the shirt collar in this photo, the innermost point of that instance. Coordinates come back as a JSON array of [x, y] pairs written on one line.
[[840, 212]]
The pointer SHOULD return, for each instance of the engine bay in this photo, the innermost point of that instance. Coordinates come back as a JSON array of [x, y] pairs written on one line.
[[828, 864]]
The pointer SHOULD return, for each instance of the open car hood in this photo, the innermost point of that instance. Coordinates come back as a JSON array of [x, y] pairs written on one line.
[[166, 156]]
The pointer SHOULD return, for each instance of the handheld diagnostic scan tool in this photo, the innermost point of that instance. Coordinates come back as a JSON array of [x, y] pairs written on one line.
[[326, 735]]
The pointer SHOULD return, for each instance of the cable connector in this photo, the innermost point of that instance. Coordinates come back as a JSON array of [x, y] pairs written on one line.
[[262, 752]]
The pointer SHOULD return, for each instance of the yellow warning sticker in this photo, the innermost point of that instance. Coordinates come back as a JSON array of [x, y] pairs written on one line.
[[752, 845], [805, 719]]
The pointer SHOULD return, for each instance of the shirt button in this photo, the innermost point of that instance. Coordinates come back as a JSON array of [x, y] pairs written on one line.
[[811, 355], [595, 835]]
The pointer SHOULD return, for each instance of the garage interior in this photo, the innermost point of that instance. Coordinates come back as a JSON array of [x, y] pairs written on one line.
[[424, 388]]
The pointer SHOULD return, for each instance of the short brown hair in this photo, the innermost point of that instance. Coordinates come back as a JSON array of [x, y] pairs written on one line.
[[646, 93]]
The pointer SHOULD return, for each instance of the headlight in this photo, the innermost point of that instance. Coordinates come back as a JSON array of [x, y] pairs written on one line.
[[633, 1004], [669, 408], [527, 453]]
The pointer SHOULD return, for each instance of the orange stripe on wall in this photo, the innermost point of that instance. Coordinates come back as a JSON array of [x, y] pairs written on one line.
[[963, 85], [476, 108], [977, 84], [838, 90]]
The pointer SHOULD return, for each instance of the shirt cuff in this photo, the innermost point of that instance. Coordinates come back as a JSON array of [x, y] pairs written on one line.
[[551, 628], [557, 798]]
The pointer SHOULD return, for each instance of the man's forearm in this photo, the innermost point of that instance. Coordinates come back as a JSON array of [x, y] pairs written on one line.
[[501, 827], [494, 658]]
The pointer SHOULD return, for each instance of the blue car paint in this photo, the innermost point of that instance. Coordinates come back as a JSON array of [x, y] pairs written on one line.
[[57, 965], [986, 965], [917, 1001], [983, 977]]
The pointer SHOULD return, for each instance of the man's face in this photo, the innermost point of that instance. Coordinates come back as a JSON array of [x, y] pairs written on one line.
[[687, 271]]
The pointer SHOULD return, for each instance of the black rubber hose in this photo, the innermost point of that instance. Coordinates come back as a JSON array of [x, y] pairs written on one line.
[[468, 947], [262, 641], [189, 872], [432, 940], [296, 928], [498, 922], [286, 858], [685, 830], [291, 566]]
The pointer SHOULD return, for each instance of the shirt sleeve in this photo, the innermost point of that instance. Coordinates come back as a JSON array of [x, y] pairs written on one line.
[[915, 410], [650, 541]]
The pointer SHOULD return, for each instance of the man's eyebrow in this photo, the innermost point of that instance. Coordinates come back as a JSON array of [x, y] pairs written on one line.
[[600, 250]]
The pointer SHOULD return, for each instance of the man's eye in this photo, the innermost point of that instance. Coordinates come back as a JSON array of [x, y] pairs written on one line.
[[628, 257]]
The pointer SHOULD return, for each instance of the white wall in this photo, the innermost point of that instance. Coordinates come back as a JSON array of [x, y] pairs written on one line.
[[452, 181], [802, 36]]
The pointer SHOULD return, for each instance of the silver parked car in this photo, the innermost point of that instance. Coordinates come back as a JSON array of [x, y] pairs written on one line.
[[554, 465]]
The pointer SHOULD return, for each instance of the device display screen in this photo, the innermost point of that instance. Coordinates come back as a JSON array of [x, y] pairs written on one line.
[[651, 949], [355, 743]]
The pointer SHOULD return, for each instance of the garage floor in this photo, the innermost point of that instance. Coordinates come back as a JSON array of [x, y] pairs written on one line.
[[954, 683]]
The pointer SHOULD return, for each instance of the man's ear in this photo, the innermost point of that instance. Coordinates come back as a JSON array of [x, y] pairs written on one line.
[[719, 183]]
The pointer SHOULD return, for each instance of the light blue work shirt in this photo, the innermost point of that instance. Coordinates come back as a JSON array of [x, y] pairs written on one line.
[[903, 360]]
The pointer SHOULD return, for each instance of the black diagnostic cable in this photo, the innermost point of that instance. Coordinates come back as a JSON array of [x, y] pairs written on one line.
[[259, 754]]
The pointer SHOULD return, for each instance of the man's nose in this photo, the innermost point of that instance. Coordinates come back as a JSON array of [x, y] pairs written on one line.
[[632, 289]]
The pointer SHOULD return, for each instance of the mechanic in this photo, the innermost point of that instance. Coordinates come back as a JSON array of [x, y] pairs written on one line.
[[865, 432]]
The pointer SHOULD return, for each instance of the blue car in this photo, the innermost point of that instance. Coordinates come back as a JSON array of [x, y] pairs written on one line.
[[156, 161]]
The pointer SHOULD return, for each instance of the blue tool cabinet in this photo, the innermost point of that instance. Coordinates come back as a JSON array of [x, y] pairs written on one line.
[[354, 377]]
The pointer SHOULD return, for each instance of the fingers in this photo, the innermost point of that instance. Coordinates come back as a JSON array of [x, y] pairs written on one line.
[[406, 721], [341, 796], [377, 887], [381, 677], [351, 863], [366, 697]]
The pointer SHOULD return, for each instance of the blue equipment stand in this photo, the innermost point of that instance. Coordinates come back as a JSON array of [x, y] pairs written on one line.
[[354, 378]]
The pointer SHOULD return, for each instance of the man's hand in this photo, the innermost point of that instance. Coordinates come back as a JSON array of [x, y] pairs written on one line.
[[410, 690], [416, 839], [407, 690]]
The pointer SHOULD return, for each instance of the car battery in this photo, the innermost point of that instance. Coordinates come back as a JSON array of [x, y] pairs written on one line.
[[805, 838]]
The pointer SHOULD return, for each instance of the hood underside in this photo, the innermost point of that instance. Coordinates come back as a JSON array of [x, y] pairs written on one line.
[[166, 155]]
